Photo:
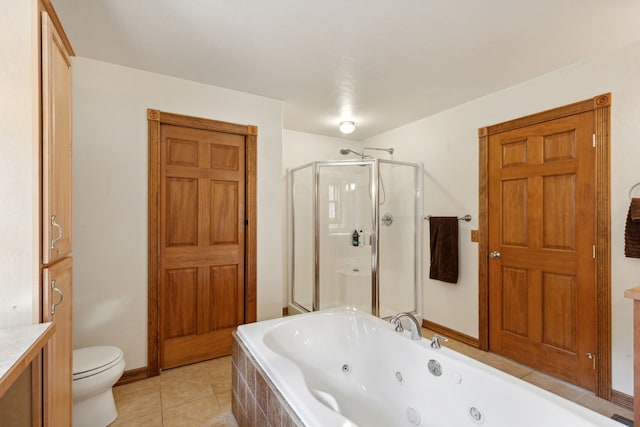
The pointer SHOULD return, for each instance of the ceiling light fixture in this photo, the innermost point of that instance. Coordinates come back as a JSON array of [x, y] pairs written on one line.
[[347, 127]]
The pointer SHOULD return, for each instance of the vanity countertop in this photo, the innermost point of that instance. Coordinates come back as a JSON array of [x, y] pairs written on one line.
[[18, 347]]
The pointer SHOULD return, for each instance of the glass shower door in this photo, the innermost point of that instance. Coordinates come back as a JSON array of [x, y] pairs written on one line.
[[400, 208], [345, 221], [302, 231]]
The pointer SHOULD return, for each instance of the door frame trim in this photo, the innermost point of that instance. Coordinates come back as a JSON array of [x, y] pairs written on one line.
[[601, 107], [154, 119]]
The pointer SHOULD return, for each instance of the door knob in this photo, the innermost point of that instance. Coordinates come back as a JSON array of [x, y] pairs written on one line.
[[494, 255]]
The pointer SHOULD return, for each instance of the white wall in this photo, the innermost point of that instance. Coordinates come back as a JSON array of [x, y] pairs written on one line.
[[299, 148], [110, 195], [19, 180], [447, 143]]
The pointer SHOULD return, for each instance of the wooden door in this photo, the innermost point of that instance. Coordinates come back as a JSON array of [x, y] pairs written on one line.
[[56, 145], [58, 365], [202, 220], [542, 300]]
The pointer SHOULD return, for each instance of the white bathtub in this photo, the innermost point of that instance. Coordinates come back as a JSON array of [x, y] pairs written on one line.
[[342, 367]]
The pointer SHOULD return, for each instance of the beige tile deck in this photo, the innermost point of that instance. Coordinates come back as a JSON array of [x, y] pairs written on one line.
[[200, 394]]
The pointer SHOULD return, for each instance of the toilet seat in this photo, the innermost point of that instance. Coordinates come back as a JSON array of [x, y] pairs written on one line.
[[91, 361]]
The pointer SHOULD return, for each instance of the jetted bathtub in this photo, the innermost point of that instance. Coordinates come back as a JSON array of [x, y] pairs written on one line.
[[342, 367]]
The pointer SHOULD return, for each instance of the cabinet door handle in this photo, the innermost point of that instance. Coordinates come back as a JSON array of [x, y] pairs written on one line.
[[55, 224], [54, 289]]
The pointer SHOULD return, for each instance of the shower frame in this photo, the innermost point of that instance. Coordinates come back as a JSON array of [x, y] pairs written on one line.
[[374, 164]]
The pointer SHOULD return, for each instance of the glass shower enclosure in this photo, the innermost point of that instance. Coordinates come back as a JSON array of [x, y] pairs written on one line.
[[355, 231]]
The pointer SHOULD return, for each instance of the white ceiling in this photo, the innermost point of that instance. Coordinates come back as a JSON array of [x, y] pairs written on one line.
[[381, 63]]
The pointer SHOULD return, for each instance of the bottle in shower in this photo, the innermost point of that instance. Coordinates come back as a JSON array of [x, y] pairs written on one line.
[[355, 238]]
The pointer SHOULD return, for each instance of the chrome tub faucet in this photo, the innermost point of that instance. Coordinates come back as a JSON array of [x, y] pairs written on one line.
[[435, 341], [416, 331]]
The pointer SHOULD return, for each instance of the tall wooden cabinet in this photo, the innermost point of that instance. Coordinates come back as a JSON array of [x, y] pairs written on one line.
[[56, 145], [57, 368], [56, 218]]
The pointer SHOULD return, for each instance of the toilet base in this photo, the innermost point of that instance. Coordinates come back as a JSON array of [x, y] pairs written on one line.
[[97, 411]]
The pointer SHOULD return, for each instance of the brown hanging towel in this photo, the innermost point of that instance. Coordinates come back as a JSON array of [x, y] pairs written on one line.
[[632, 230], [443, 232], [634, 210]]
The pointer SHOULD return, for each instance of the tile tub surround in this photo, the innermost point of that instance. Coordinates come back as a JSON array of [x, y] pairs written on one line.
[[255, 400]]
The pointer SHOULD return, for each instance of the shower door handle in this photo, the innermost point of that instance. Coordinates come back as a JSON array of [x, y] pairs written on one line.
[[494, 255]]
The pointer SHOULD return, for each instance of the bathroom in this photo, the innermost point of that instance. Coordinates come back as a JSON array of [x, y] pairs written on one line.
[[110, 189]]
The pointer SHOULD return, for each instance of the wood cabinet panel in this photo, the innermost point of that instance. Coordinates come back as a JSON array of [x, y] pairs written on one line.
[[180, 297], [560, 311], [223, 212], [514, 213], [56, 145], [223, 291], [515, 301], [559, 212], [560, 146], [182, 212], [58, 354]]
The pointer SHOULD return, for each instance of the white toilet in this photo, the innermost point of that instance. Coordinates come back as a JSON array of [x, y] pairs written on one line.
[[95, 371]]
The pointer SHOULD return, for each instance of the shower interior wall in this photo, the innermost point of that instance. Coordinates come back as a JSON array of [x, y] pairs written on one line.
[[345, 208]]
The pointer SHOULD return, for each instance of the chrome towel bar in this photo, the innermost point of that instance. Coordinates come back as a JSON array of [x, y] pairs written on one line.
[[467, 218]]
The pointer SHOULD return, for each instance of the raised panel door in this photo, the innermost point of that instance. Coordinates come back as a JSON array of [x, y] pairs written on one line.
[[58, 353], [542, 234], [56, 145], [202, 242]]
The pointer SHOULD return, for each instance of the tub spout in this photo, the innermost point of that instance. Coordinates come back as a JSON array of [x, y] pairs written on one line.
[[416, 332]]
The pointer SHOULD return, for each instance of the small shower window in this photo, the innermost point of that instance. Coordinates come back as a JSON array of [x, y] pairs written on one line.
[[334, 204]]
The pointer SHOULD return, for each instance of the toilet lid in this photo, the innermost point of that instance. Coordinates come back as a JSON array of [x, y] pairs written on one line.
[[92, 360]]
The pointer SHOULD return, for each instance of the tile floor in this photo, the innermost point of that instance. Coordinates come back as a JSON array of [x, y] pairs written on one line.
[[193, 395], [200, 394]]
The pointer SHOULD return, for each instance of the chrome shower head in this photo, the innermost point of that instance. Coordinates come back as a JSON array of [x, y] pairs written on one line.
[[345, 151]]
